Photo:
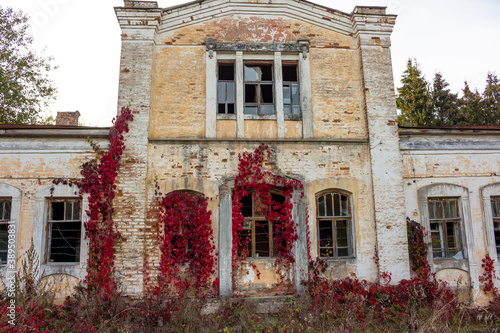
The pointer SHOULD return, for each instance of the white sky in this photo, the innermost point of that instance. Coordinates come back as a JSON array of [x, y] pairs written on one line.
[[459, 38]]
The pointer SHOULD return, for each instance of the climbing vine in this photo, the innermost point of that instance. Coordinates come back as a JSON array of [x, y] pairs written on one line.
[[489, 277], [252, 179], [417, 248], [99, 176], [186, 244]]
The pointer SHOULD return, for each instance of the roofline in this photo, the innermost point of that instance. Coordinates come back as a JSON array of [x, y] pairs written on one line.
[[451, 130], [194, 2], [48, 131]]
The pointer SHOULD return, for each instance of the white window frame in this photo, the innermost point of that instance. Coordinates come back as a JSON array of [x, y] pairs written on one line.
[[240, 57], [469, 263], [40, 231], [12, 192], [488, 191]]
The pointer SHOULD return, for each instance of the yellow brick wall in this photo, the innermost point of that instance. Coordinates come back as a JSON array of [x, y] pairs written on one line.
[[178, 92]]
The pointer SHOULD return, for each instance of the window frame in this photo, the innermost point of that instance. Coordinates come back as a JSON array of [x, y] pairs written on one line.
[[9, 191], [469, 261], [40, 230], [442, 224], [259, 84], [334, 219], [291, 115], [5, 222], [50, 231], [226, 103], [241, 52], [253, 220], [487, 192], [496, 219]]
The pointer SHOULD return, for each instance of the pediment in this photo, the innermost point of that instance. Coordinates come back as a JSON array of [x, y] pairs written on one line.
[[199, 12]]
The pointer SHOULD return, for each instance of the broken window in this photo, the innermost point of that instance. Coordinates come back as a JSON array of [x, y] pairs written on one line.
[[257, 233], [5, 211], [291, 102], [64, 231], [444, 218], [226, 88], [495, 212], [259, 89], [334, 224]]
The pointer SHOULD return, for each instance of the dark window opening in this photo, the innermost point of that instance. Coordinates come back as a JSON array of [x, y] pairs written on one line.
[[258, 234], [226, 90], [5, 212], [495, 212], [64, 230]]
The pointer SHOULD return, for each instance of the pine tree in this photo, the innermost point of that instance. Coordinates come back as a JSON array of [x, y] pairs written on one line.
[[413, 98], [470, 110], [443, 103], [490, 101]]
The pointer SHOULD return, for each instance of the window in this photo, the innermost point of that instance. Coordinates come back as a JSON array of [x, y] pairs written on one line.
[[5, 213], [291, 101], [444, 219], [259, 89], [226, 88], [334, 223], [257, 231], [64, 231], [495, 210]]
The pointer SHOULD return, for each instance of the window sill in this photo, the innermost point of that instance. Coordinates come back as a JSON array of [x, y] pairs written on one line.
[[259, 117], [72, 269], [291, 117], [226, 116], [294, 117], [450, 263], [346, 260]]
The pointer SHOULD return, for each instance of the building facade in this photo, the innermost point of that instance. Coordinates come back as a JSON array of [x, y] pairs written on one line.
[[211, 79]]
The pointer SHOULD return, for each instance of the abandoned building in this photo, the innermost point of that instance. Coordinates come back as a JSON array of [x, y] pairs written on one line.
[[210, 79]]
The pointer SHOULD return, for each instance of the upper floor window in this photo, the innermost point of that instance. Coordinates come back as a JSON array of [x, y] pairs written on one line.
[[258, 231], [64, 231], [5, 213], [444, 219], [334, 223], [259, 89], [226, 93], [291, 100], [495, 210]]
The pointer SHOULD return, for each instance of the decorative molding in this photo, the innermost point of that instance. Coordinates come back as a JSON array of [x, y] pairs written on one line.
[[213, 45]]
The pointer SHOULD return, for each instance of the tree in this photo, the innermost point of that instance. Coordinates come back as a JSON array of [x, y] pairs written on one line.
[[490, 101], [413, 98], [24, 83], [469, 107], [443, 103]]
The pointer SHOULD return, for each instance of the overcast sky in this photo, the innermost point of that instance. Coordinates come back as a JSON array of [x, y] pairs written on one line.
[[458, 38]]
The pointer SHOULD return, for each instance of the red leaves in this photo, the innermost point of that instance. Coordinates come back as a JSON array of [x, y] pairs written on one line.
[[418, 249], [489, 276], [99, 183], [252, 178], [186, 244]]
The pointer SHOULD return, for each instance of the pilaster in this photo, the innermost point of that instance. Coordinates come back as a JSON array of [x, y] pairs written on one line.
[[139, 22], [373, 28]]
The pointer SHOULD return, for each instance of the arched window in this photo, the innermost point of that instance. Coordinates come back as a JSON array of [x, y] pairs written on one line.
[[334, 225], [258, 232]]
